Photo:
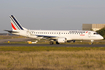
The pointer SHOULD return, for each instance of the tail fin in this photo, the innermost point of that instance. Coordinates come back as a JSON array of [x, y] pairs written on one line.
[[15, 24]]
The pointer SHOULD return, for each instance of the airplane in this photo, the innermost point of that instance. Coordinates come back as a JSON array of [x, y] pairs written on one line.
[[59, 36]]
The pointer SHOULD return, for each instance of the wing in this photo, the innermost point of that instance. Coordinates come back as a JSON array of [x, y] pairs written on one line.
[[46, 36]]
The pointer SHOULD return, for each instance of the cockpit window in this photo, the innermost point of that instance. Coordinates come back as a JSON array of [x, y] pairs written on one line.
[[95, 33]]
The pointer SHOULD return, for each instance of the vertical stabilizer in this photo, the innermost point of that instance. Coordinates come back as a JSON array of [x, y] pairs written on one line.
[[15, 24]]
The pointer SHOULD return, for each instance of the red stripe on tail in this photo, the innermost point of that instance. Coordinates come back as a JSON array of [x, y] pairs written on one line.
[[13, 26]]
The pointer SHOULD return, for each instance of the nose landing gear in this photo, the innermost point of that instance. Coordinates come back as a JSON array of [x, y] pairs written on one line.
[[92, 42]]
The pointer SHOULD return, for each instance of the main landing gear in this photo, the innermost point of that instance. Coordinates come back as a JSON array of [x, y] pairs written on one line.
[[52, 42]]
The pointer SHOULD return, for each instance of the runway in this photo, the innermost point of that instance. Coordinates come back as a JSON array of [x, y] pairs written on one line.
[[60, 45]]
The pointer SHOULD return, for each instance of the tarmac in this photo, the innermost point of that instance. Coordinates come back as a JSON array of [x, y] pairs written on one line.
[[15, 40], [55, 45]]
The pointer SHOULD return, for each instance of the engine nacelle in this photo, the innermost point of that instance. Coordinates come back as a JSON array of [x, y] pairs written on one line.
[[62, 40]]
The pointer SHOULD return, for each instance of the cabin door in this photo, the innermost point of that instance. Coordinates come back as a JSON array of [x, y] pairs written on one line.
[[28, 34], [89, 34]]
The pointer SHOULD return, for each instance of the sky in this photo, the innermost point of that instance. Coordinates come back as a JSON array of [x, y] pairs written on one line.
[[52, 14]]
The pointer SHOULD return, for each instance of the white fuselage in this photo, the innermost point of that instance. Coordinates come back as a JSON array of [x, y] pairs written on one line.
[[68, 34]]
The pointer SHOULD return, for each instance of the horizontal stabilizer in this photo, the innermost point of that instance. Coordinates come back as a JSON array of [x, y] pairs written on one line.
[[10, 31]]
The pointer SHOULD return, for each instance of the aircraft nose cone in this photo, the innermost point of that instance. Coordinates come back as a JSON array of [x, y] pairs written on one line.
[[102, 37]]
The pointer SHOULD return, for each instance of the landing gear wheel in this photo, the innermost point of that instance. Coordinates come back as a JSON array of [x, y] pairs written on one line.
[[51, 42], [92, 42], [57, 43]]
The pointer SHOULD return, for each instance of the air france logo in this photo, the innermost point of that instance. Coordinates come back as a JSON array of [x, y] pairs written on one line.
[[81, 32], [86, 31]]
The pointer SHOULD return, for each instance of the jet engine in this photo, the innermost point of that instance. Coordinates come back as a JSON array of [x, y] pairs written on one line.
[[62, 40]]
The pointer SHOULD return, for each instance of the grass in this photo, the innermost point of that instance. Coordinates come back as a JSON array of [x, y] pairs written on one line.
[[41, 48], [52, 58]]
